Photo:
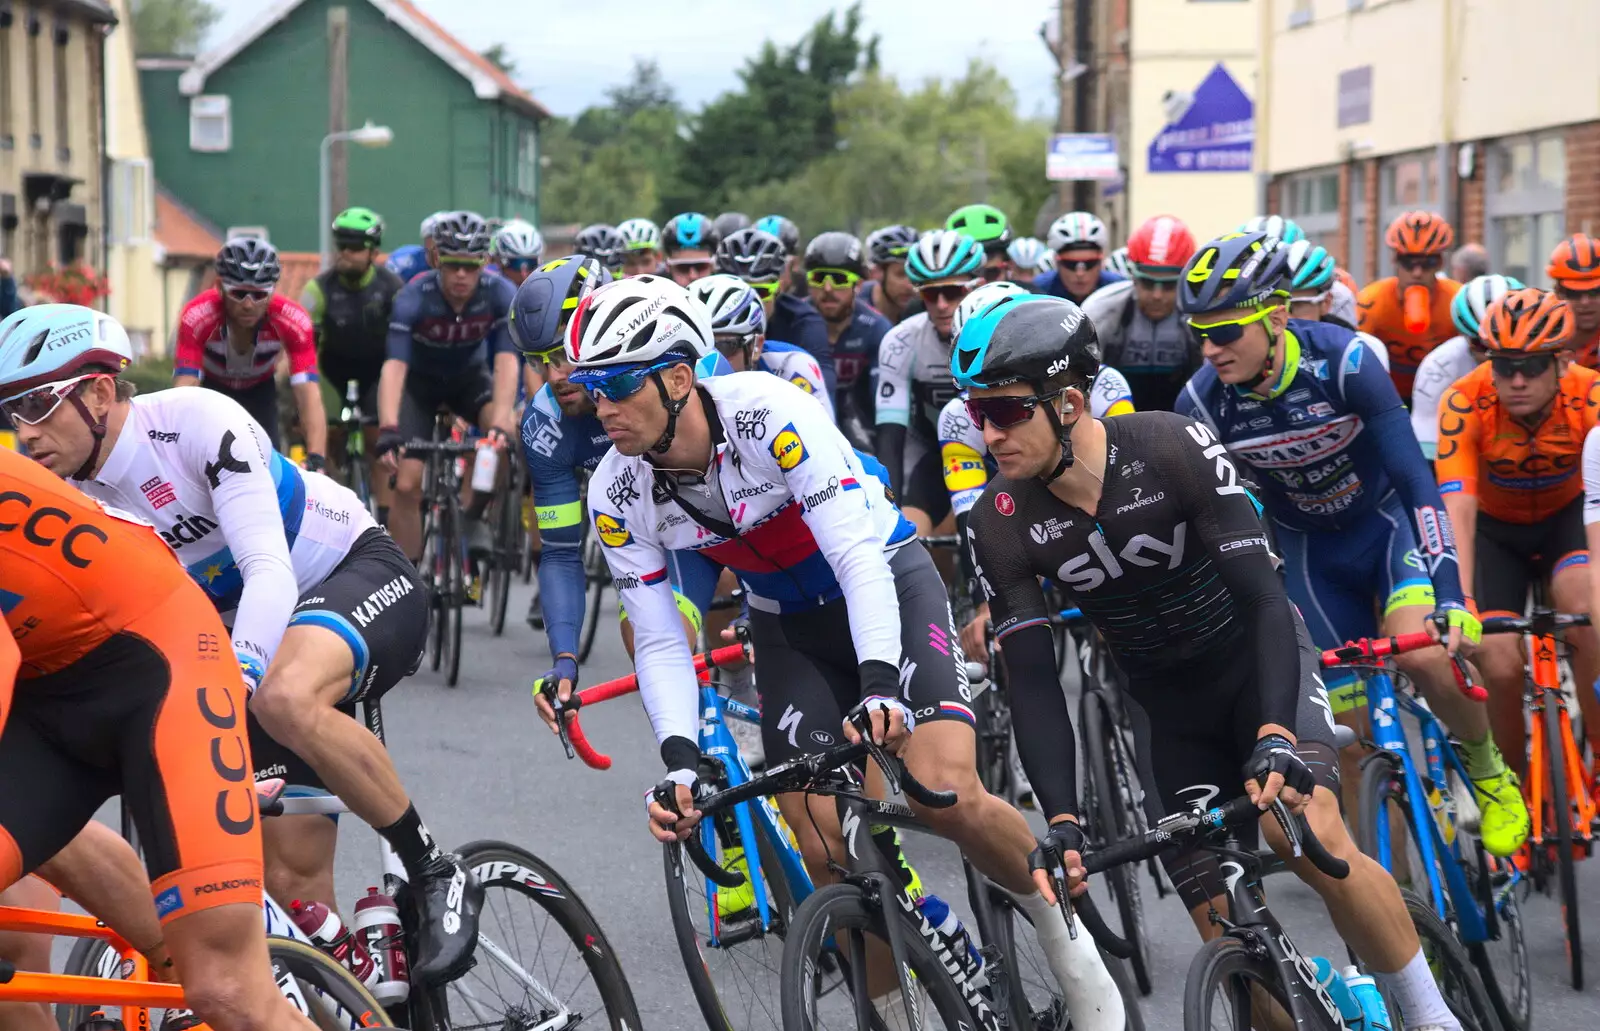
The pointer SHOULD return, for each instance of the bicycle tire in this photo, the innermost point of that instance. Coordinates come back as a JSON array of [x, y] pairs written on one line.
[[838, 907], [432, 549], [1383, 782], [1508, 984], [1452, 968], [597, 575], [994, 741], [1111, 822], [1219, 961], [498, 864], [507, 526], [290, 959], [679, 869], [1561, 807], [456, 565], [1035, 1004]]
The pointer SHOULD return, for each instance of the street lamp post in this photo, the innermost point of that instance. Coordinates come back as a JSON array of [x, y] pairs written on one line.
[[368, 135]]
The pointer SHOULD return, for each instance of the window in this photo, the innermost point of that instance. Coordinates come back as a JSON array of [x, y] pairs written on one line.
[[1356, 261], [1406, 182], [1311, 199], [1300, 13], [528, 163], [63, 109], [7, 132], [131, 201], [1524, 203], [35, 73], [210, 123]]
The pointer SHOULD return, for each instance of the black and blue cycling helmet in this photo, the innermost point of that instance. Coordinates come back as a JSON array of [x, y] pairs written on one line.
[[548, 296], [690, 231]]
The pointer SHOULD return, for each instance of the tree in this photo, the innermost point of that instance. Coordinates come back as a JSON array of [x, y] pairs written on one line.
[[171, 26], [497, 56]]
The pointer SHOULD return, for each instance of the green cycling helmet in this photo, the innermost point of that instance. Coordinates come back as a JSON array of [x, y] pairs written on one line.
[[358, 225], [985, 223]]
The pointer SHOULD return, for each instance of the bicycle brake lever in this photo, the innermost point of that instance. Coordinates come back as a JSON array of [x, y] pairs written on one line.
[[1291, 826], [551, 693], [1476, 692]]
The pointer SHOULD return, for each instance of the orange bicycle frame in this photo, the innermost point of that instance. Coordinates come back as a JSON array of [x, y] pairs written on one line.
[[136, 994], [1546, 690]]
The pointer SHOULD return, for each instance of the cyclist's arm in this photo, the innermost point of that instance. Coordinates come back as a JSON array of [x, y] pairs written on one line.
[[843, 526], [230, 452], [1372, 396], [661, 656], [315, 303], [1457, 469], [392, 378], [1039, 713], [811, 333], [10, 664], [559, 514], [507, 365], [1111, 394], [188, 351], [965, 475], [1221, 512], [805, 373], [1591, 507], [893, 410], [299, 343]]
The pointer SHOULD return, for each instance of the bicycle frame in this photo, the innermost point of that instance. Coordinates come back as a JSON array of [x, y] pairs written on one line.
[[1544, 689], [137, 994]]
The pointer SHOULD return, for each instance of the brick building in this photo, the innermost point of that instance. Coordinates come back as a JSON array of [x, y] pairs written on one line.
[[1370, 107]]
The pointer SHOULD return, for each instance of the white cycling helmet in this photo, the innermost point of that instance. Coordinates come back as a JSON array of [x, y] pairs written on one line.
[[1027, 251], [643, 319], [49, 342], [640, 234], [980, 299], [517, 239], [1078, 229], [431, 221], [1117, 261], [1473, 300], [735, 307]]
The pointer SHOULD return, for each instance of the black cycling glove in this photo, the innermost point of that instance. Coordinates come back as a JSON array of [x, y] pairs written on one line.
[[1275, 754], [389, 439]]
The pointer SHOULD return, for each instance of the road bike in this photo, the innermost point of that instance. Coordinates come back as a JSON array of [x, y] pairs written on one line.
[[510, 546], [445, 568], [1476, 894], [356, 466]]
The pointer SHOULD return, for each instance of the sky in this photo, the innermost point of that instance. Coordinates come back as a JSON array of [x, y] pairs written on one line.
[[570, 53]]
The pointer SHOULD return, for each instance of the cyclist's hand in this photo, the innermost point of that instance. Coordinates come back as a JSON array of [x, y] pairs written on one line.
[[730, 633], [315, 463], [887, 719], [565, 676], [387, 449], [973, 640], [1458, 626], [1066, 837], [1276, 770], [666, 825]]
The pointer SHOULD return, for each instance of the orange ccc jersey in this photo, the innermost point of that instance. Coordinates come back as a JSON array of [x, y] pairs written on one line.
[[1381, 311], [72, 573], [1518, 475]]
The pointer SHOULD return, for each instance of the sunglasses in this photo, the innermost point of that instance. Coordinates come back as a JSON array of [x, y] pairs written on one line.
[[1078, 264], [556, 356], [35, 406], [949, 293], [992, 273], [1159, 286], [352, 246], [766, 291], [1566, 293], [831, 278], [1531, 366], [460, 264], [618, 386], [1007, 410], [1224, 333], [701, 265], [730, 344], [528, 265], [1419, 262], [247, 293]]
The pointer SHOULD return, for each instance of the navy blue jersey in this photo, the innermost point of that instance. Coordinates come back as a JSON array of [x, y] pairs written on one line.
[[794, 320], [1050, 283], [1330, 444], [426, 334]]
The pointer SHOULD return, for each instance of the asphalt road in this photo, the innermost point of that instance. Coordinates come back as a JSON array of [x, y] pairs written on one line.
[[479, 764]]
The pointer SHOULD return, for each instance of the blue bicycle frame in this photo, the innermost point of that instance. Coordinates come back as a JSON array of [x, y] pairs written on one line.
[[749, 817], [1384, 705]]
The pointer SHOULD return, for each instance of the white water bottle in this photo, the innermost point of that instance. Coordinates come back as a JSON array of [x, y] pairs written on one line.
[[484, 467], [377, 925]]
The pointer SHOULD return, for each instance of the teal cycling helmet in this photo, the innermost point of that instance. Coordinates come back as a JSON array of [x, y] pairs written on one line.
[[943, 254], [1311, 267], [1276, 226], [1473, 299]]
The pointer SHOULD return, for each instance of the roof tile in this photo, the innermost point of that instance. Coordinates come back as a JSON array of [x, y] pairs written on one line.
[[507, 85]]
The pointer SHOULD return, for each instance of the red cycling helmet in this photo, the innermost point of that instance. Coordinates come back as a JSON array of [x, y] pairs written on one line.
[[1160, 248]]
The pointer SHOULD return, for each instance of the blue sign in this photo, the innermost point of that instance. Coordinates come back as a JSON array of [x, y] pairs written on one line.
[[1082, 155], [1215, 133]]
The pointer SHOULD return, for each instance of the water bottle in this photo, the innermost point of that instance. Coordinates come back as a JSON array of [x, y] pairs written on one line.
[[1339, 992], [1374, 1014], [378, 927], [323, 926], [484, 466], [937, 912]]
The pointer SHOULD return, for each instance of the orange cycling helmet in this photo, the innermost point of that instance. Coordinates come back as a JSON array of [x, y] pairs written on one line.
[[1529, 320], [1575, 263], [1419, 232]]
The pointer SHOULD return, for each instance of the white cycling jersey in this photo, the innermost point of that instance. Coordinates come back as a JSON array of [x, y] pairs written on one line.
[[795, 364], [253, 529], [799, 516], [1440, 368], [914, 381], [962, 450], [1591, 477]]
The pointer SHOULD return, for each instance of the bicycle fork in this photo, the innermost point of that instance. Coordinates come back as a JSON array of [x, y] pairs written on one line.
[[1544, 689]]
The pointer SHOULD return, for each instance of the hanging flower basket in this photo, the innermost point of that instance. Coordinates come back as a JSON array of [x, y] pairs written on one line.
[[75, 284]]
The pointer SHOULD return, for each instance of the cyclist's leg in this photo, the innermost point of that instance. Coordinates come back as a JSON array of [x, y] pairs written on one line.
[[378, 479], [417, 405], [1569, 592], [297, 851], [28, 952], [100, 872], [1330, 579], [1504, 571]]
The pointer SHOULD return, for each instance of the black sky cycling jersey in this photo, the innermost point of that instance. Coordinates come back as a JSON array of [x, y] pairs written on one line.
[[1174, 569]]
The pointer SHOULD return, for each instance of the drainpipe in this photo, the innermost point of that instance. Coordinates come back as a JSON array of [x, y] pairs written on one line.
[[1449, 196], [1263, 104], [105, 159]]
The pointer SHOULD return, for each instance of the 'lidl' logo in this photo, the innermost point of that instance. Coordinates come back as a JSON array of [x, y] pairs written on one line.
[[612, 530], [787, 448], [963, 467], [802, 383]]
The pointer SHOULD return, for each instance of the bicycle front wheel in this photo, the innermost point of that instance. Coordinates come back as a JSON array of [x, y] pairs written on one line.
[[1458, 981], [455, 546], [1226, 983], [1556, 733], [839, 917], [597, 574], [1113, 821], [1502, 961], [1035, 995]]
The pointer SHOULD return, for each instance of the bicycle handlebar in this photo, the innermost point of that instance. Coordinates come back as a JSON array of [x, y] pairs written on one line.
[[448, 447], [1541, 622], [1370, 648]]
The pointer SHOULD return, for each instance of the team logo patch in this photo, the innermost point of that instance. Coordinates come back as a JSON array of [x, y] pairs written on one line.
[[802, 383], [788, 449], [963, 468], [1004, 504], [613, 530]]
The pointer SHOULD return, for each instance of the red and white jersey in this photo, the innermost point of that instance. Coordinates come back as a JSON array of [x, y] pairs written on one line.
[[203, 349]]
